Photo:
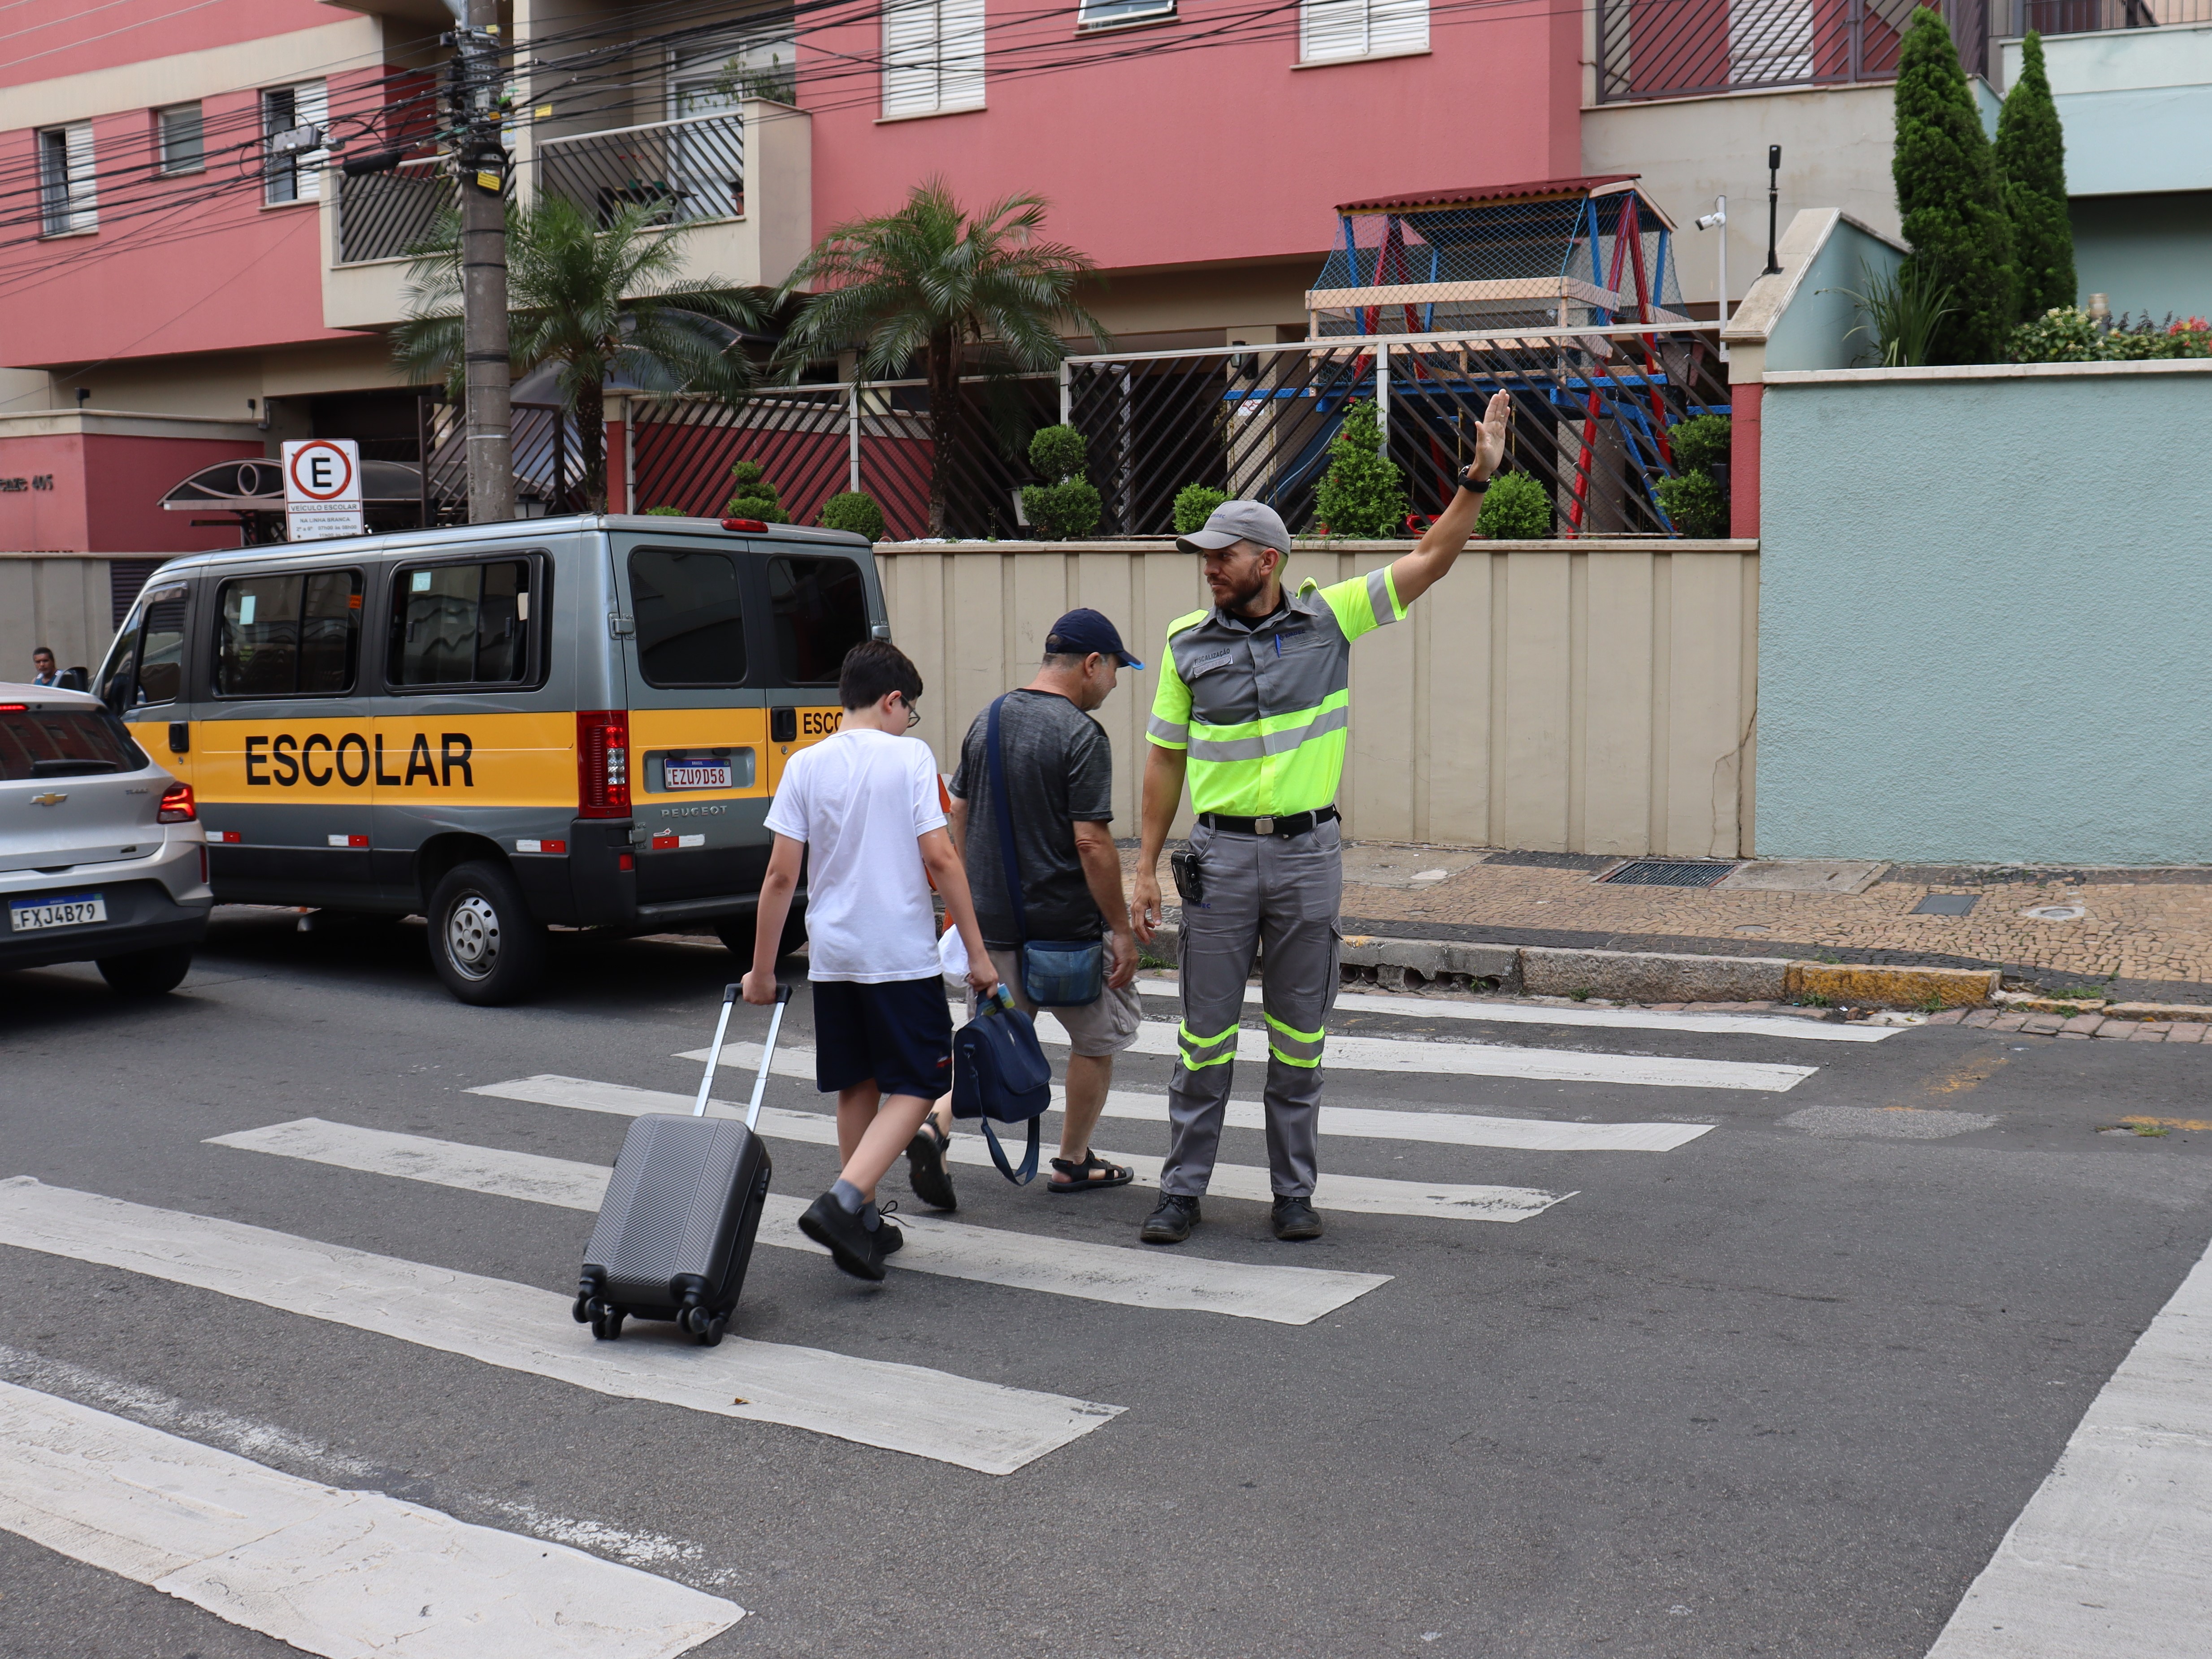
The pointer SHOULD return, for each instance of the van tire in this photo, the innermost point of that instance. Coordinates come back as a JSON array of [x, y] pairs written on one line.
[[737, 932], [484, 943], [147, 973]]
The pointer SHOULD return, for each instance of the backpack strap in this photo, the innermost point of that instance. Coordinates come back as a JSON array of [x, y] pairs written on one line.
[[1029, 1159], [1003, 810]]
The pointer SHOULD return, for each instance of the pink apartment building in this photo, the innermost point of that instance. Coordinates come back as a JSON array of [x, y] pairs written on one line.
[[186, 276]]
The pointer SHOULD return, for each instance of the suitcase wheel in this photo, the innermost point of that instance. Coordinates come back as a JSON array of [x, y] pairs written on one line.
[[582, 1310], [606, 1322], [712, 1336], [707, 1327]]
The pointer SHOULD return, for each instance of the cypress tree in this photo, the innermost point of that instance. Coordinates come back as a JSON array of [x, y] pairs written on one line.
[[1947, 194], [2031, 161]]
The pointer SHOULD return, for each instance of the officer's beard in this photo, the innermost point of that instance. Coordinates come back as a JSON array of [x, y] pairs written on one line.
[[1242, 599]]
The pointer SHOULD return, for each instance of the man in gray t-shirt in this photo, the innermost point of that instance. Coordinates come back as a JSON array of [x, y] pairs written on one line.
[[1059, 769]]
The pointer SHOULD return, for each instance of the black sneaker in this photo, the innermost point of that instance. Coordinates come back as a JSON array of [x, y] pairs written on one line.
[[1172, 1222], [1294, 1219], [850, 1245], [925, 1167], [888, 1238]]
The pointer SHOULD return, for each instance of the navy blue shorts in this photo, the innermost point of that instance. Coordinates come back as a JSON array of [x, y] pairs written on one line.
[[899, 1033]]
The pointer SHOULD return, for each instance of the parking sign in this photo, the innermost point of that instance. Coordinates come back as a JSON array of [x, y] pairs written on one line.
[[322, 488]]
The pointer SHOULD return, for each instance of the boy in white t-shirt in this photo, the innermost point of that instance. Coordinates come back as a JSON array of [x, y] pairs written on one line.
[[864, 806]]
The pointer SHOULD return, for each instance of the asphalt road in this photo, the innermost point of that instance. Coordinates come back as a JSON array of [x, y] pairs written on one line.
[[1778, 1391]]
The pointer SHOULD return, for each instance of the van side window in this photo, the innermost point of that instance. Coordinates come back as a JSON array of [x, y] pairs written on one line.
[[297, 634], [691, 621], [461, 624], [821, 612], [146, 663]]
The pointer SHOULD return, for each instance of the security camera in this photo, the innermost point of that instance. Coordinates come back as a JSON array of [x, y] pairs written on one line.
[[1707, 221]]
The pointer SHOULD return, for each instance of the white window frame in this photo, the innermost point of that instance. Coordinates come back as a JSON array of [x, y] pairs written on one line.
[[288, 178], [163, 162], [1091, 15], [1344, 31], [932, 57], [69, 184]]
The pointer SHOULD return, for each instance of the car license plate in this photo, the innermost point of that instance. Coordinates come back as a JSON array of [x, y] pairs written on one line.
[[704, 773], [69, 910]]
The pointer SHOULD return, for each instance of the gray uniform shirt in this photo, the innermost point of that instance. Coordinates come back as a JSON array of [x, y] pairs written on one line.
[[1059, 773]]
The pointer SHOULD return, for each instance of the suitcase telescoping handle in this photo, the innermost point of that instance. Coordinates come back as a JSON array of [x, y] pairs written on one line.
[[768, 1052]]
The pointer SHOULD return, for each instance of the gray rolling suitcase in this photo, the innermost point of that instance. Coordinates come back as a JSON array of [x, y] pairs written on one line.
[[684, 1203]]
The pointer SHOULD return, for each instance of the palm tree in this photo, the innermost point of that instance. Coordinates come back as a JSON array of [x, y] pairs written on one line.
[[930, 281], [597, 300]]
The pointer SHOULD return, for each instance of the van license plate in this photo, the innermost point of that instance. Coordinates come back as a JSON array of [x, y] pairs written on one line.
[[70, 910], [697, 775]]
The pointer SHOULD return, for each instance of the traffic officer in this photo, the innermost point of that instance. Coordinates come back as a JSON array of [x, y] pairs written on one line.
[[1252, 708]]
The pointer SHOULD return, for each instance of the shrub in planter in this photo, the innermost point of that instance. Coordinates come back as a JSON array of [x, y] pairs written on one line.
[[1364, 493], [755, 497], [665, 512], [1068, 508], [2063, 334], [1694, 506], [1515, 508], [1701, 443], [855, 510], [1194, 504]]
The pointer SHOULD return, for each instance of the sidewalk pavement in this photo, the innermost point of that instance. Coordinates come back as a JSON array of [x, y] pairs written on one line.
[[2137, 935]]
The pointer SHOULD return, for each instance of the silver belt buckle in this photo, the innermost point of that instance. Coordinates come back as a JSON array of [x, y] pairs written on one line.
[[1263, 826]]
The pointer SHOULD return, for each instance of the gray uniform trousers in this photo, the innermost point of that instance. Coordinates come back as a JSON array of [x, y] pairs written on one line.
[[1278, 894]]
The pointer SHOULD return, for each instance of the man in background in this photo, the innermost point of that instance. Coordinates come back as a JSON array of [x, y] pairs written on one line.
[[42, 665]]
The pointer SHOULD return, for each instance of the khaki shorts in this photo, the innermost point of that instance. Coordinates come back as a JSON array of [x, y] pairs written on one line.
[[1096, 1030]]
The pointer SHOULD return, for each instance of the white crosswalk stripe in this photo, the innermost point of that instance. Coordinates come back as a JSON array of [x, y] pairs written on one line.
[[1359, 1054], [1791, 1026], [930, 1413], [332, 1572], [1366, 1054], [1439, 1128], [1364, 1194], [1132, 1277]]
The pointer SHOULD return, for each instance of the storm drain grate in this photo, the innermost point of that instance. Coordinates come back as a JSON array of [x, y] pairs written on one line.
[[1666, 872], [1946, 904]]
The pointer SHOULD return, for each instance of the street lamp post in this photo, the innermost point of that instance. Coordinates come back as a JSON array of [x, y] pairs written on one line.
[[1773, 205], [1718, 220]]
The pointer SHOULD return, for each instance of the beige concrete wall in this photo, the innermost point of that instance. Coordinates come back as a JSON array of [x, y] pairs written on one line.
[[57, 599], [1592, 697], [1836, 146]]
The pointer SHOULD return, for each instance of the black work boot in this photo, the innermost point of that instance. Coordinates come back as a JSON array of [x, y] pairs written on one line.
[[1294, 1219], [1172, 1222]]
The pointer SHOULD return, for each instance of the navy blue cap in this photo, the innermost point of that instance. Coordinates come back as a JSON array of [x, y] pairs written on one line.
[[1082, 632]]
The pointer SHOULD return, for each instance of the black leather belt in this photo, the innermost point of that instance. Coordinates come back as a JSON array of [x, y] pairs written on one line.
[[1296, 824]]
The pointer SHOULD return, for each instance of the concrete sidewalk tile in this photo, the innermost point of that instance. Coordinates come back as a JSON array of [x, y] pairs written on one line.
[[2147, 1034], [2114, 1028], [2072, 1037], [2041, 1024], [1960, 1016], [2084, 1024], [2192, 1032], [2007, 1022]]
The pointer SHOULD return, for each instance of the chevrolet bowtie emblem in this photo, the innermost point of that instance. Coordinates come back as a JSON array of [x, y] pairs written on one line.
[[48, 801]]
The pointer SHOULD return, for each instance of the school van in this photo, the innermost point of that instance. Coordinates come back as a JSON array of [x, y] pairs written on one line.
[[573, 721]]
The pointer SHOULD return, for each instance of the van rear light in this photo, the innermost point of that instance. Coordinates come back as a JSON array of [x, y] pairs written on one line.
[[177, 804], [755, 525], [603, 762]]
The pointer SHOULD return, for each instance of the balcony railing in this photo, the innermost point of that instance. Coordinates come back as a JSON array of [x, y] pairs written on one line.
[[2087, 16], [682, 171], [382, 215], [1693, 48]]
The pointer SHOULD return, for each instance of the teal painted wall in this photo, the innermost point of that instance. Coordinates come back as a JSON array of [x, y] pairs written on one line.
[[2148, 253], [1816, 329], [1986, 618]]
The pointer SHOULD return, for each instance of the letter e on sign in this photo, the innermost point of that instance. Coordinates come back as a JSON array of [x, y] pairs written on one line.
[[322, 488]]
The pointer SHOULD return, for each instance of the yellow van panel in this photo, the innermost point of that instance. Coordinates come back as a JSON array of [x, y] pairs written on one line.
[[502, 760], [668, 729]]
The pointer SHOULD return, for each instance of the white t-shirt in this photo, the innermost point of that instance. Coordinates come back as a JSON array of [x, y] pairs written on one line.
[[860, 799]]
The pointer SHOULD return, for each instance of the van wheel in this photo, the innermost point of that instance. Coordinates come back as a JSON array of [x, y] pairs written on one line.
[[487, 946], [147, 973], [737, 933]]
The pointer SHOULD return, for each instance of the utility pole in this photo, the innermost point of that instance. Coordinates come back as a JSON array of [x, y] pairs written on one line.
[[480, 159]]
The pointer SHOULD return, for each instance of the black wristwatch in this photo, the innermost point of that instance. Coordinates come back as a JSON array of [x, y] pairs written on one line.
[[1476, 485]]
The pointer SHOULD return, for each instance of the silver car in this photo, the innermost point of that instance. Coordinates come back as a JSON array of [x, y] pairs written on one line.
[[102, 858]]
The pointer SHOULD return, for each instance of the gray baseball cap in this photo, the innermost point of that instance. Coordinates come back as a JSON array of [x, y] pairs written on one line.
[[1238, 521]]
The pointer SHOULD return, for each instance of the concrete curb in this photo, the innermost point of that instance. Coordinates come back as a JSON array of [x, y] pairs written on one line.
[[1656, 976]]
